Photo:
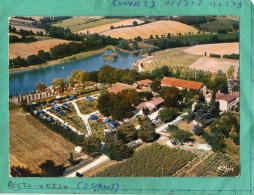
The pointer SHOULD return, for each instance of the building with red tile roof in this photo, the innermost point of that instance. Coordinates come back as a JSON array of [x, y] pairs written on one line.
[[145, 82], [151, 105], [118, 87], [181, 84]]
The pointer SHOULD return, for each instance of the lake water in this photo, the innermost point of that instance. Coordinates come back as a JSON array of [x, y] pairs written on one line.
[[25, 82]]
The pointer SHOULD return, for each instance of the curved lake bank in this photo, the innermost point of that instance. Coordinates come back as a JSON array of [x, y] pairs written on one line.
[[25, 81]]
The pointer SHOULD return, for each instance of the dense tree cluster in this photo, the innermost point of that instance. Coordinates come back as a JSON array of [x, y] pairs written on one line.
[[50, 169], [167, 114], [147, 131], [16, 39], [116, 149], [120, 105], [92, 146], [179, 135], [108, 74], [20, 171], [127, 132]]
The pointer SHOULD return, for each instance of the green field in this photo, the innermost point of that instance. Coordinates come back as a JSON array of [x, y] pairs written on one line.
[[221, 23], [170, 57], [84, 22], [152, 161]]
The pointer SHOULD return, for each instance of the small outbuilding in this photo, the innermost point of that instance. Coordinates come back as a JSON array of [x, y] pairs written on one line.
[[78, 149]]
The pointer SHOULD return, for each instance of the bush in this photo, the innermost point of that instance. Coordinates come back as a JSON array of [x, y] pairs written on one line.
[[215, 55], [231, 56]]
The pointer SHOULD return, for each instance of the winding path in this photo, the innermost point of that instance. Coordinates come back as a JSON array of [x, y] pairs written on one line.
[[83, 117]]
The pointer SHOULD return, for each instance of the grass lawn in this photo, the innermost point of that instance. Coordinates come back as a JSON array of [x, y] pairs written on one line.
[[87, 107], [170, 57]]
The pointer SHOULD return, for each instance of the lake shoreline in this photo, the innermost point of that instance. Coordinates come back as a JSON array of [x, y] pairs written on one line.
[[62, 60]]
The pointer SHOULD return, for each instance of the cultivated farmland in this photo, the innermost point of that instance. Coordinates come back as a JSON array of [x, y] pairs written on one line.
[[170, 57], [210, 165], [31, 143], [151, 161], [217, 48], [26, 49], [106, 27], [154, 28], [35, 30], [214, 64], [77, 23]]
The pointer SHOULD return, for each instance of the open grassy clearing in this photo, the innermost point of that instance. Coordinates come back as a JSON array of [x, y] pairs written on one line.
[[214, 64], [152, 161], [26, 49], [221, 23], [31, 143], [188, 127], [216, 48], [77, 23], [35, 30], [106, 27], [87, 107], [170, 57], [154, 28]]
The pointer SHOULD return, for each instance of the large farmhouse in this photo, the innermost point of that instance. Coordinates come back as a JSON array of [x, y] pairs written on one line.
[[184, 84], [227, 101]]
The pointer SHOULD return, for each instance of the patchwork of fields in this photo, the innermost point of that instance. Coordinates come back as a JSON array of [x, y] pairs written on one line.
[[194, 57]]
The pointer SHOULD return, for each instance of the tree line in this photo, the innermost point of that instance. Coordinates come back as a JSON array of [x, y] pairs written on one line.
[[92, 42], [165, 43]]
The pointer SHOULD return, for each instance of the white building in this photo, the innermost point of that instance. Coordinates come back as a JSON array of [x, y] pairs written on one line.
[[227, 101]]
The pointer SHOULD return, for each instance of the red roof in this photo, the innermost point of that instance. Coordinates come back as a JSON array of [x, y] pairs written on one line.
[[118, 87], [181, 83], [150, 104], [226, 97], [144, 82]]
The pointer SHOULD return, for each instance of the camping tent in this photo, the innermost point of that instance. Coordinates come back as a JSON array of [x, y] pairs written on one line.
[[93, 117], [113, 124], [89, 98]]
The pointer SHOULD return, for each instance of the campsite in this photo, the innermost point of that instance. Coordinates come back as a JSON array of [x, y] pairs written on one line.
[[98, 96]]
